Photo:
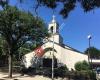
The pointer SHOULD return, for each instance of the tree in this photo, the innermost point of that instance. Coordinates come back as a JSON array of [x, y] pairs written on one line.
[[24, 49], [68, 5], [94, 52], [17, 28], [3, 2]]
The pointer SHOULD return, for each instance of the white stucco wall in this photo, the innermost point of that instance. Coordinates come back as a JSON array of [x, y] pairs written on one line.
[[28, 59], [70, 57], [56, 38], [65, 56]]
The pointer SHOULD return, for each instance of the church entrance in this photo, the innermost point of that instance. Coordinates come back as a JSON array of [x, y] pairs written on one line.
[[47, 62]]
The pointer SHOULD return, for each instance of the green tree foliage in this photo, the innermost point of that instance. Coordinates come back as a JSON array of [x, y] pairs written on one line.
[[24, 49], [79, 66], [94, 52], [68, 5], [17, 28], [3, 3]]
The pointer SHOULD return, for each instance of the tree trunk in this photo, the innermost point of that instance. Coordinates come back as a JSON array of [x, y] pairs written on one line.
[[10, 66]]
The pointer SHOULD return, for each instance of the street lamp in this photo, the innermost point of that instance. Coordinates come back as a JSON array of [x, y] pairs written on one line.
[[89, 38]]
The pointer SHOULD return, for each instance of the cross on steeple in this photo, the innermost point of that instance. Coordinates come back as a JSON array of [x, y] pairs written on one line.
[[53, 19]]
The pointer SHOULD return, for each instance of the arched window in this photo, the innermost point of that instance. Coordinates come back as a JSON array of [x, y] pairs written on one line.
[[51, 29]]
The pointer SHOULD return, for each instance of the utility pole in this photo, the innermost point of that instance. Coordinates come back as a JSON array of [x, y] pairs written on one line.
[[53, 60], [53, 49]]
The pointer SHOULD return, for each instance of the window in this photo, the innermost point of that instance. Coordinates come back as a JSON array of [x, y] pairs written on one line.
[[51, 29]]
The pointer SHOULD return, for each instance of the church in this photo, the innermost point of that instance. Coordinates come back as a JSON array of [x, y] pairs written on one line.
[[54, 48]]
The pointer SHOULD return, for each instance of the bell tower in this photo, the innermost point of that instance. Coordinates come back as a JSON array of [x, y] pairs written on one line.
[[53, 29], [53, 26]]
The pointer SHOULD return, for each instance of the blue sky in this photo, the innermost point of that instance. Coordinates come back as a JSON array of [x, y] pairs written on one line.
[[75, 28]]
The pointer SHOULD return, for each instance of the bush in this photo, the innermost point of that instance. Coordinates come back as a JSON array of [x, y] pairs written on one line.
[[47, 72], [83, 68], [60, 71], [79, 66]]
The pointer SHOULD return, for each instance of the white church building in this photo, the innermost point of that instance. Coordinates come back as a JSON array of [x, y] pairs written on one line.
[[54, 46], [64, 54]]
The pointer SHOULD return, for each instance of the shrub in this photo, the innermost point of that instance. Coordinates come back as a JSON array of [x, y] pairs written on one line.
[[79, 66], [60, 71], [83, 68]]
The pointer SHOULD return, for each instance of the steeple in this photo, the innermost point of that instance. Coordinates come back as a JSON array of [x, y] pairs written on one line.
[[53, 26], [53, 29]]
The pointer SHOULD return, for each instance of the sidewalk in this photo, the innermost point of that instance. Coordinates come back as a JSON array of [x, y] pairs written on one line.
[[3, 76]]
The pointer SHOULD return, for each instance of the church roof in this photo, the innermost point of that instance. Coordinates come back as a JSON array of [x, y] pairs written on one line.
[[65, 46]]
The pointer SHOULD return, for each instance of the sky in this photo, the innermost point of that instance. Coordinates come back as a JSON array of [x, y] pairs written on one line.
[[73, 29]]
